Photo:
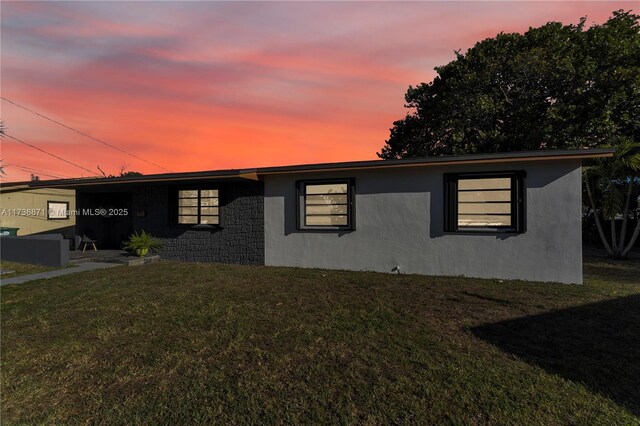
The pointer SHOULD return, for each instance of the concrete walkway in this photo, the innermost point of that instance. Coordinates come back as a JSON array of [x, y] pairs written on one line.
[[83, 267]]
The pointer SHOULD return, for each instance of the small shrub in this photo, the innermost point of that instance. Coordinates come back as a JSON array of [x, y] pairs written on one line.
[[141, 243]]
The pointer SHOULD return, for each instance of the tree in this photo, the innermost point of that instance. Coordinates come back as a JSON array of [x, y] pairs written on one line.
[[553, 87], [123, 172], [614, 182], [129, 174]]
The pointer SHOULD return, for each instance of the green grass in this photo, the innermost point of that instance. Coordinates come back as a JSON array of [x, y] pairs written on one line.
[[177, 343], [23, 269]]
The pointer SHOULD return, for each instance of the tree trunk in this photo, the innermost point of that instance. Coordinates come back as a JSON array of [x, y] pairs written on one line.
[[636, 231], [614, 244], [632, 240], [595, 215], [627, 203]]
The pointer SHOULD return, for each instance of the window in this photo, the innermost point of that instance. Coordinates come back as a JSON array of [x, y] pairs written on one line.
[[325, 205], [57, 210], [484, 202], [198, 207]]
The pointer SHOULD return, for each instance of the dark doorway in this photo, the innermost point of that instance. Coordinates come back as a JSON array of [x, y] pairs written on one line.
[[106, 217]]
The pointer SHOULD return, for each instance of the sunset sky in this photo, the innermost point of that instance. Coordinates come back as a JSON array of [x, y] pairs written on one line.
[[212, 85]]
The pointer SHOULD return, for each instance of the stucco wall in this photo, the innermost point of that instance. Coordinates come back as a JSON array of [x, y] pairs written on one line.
[[35, 201], [48, 250], [399, 222]]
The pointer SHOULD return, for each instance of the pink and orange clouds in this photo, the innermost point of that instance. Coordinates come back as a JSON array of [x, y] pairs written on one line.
[[207, 85]]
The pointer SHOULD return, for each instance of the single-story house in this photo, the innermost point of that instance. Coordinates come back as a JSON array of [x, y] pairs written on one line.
[[26, 210], [506, 215]]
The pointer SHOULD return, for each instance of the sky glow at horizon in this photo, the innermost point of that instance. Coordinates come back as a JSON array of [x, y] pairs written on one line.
[[206, 85]]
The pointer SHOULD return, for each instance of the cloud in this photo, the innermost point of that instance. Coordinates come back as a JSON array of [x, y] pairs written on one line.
[[202, 85]]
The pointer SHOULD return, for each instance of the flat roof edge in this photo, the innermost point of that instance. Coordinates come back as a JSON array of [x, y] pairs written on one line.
[[256, 173], [445, 160]]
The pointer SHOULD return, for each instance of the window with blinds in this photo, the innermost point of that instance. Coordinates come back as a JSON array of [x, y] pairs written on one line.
[[325, 205], [198, 207], [484, 202]]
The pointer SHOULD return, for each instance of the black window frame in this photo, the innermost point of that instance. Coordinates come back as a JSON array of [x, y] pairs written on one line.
[[175, 213], [518, 202], [66, 210], [301, 205]]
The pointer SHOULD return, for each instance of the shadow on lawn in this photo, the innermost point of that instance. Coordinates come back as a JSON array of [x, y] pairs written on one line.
[[596, 344]]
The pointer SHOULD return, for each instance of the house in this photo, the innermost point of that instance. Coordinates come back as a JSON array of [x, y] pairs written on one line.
[[40, 210], [507, 215]]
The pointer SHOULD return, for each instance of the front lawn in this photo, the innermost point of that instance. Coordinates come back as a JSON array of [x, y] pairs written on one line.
[[177, 343]]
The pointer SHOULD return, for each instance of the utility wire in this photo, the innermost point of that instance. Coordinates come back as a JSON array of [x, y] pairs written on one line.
[[52, 174], [83, 133], [50, 154], [33, 172], [38, 171]]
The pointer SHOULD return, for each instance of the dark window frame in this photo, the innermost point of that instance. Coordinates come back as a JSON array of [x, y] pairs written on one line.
[[301, 205], [66, 210], [175, 211], [518, 202]]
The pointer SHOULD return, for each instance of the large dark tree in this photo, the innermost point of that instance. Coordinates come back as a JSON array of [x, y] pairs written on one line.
[[557, 86]]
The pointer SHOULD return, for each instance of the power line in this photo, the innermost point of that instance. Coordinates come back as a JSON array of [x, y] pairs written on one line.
[[33, 172], [50, 154], [53, 174], [83, 133], [38, 171]]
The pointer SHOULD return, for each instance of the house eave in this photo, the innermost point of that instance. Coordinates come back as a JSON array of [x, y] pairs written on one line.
[[258, 173], [445, 161]]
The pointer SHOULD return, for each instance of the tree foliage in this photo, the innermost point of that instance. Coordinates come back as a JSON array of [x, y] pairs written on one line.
[[553, 87], [123, 172], [610, 185]]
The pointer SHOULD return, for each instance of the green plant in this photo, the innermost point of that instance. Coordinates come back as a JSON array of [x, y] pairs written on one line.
[[605, 180], [142, 243]]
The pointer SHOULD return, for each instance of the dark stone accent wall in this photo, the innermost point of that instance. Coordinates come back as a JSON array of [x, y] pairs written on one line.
[[240, 239]]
